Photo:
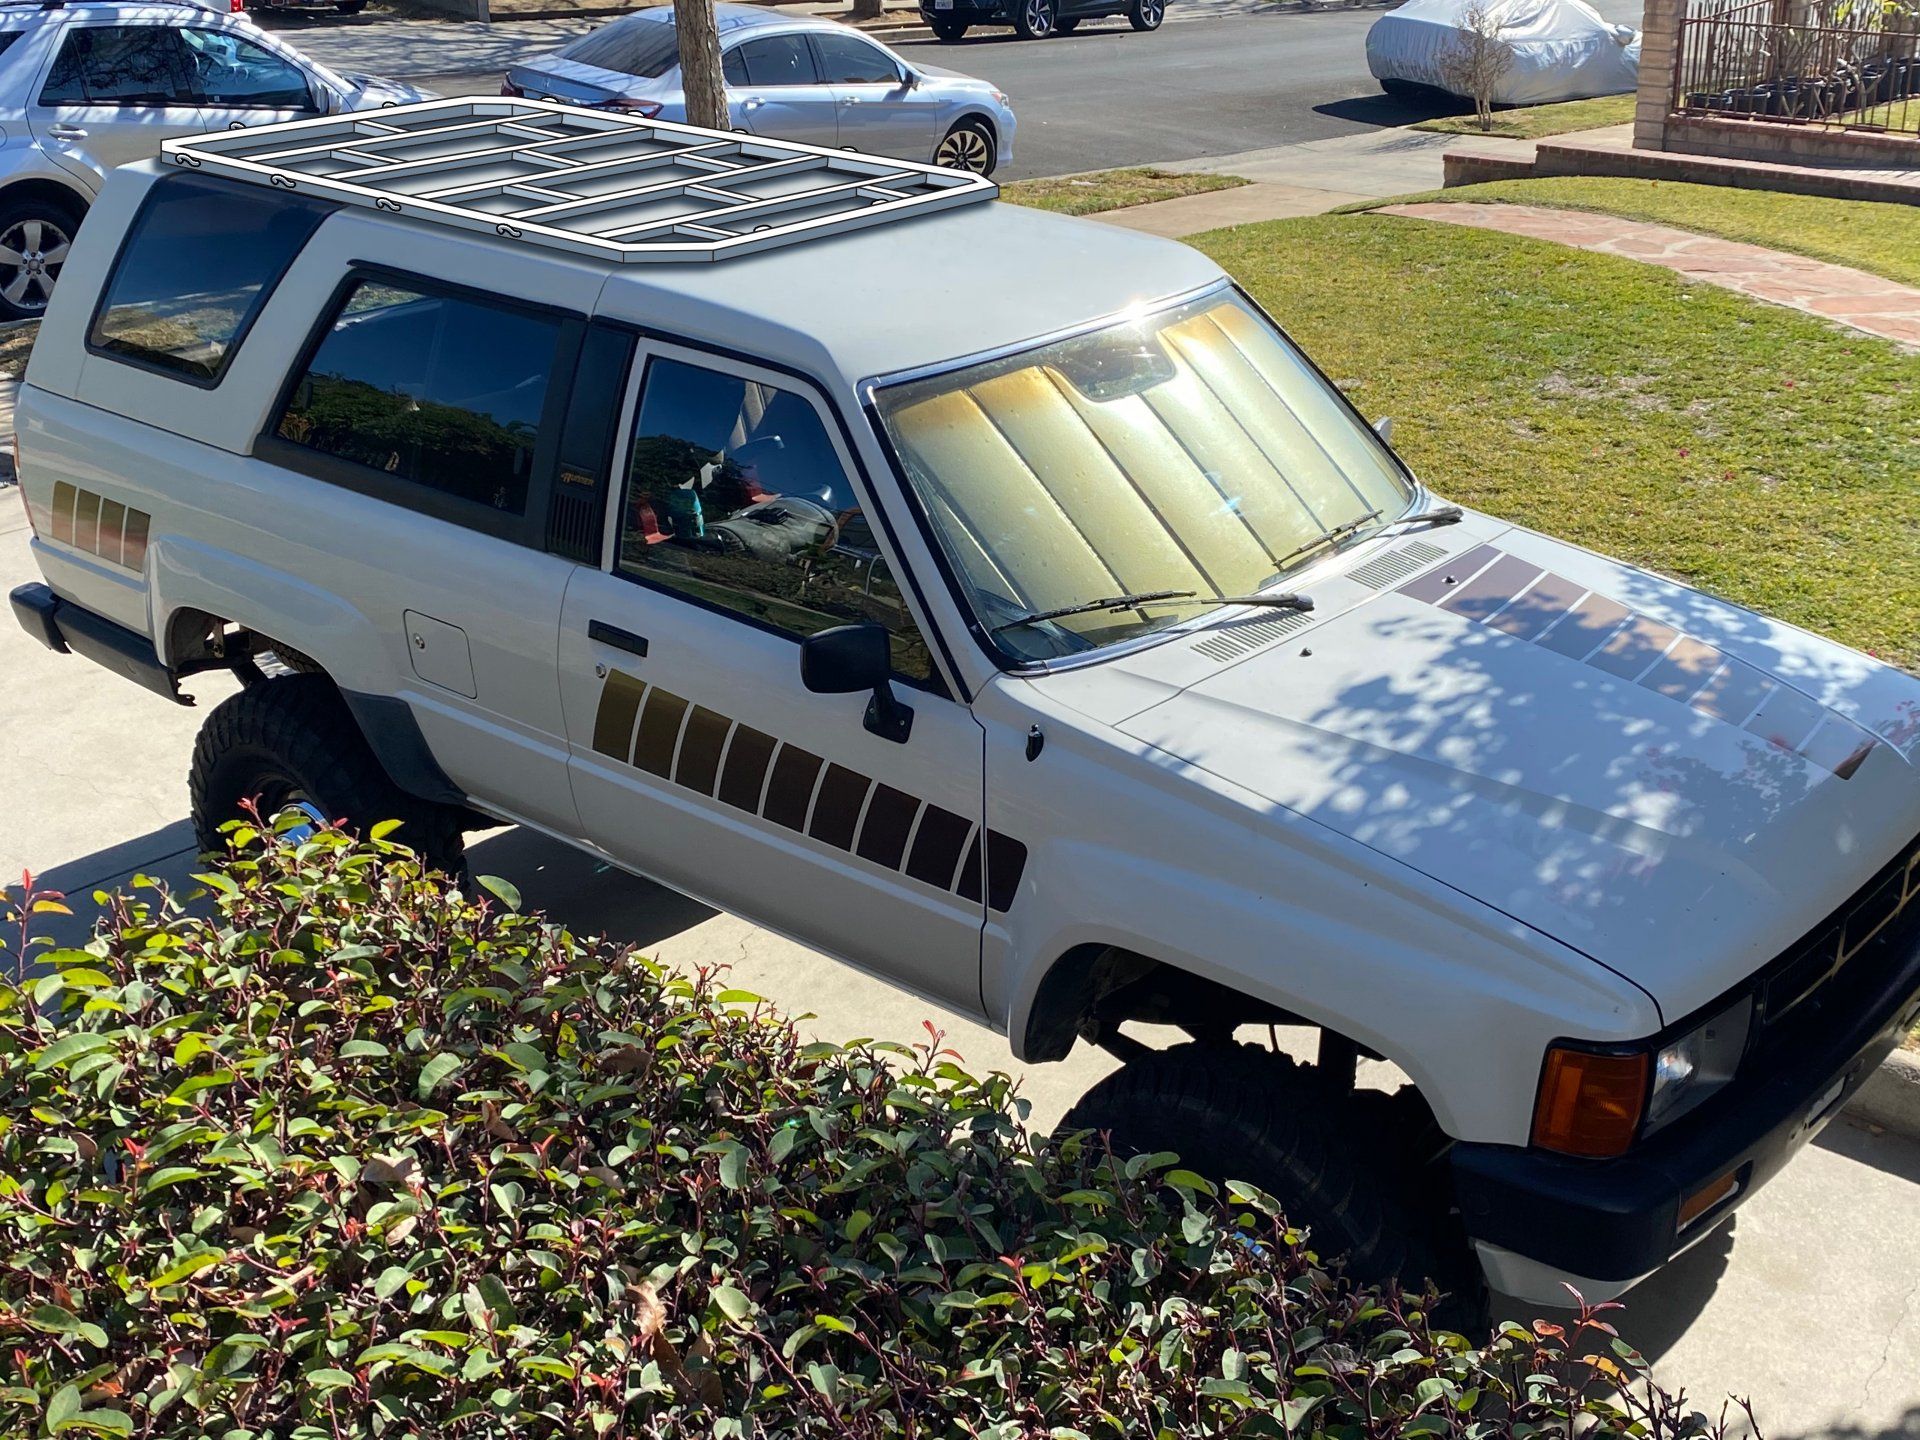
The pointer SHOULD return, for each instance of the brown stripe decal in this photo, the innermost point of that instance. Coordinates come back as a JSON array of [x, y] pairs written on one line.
[[659, 732], [791, 790], [746, 772], [665, 734], [1508, 594], [109, 529], [701, 746]]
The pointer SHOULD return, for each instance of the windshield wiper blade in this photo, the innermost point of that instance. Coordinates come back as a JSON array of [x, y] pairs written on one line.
[[1288, 601], [1439, 515], [1090, 607], [1331, 537]]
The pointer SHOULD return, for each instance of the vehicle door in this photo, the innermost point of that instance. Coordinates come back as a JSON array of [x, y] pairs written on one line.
[[698, 755], [435, 400], [241, 81], [780, 93], [881, 110], [112, 93]]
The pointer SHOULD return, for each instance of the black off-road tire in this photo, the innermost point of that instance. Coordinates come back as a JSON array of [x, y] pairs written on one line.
[[949, 30], [292, 738], [1357, 1170]]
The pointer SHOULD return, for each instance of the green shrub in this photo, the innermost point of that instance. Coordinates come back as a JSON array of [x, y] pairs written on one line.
[[360, 1156]]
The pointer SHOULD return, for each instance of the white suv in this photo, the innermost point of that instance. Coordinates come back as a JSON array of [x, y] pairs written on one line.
[[577, 465], [85, 87]]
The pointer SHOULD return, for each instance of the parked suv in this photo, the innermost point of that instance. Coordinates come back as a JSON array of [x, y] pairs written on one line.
[[1035, 19], [85, 87], [1062, 647]]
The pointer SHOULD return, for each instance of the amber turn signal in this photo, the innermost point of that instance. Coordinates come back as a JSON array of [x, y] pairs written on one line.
[[1589, 1104]]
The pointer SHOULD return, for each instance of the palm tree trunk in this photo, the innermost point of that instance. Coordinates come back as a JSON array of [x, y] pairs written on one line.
[[700, 80]]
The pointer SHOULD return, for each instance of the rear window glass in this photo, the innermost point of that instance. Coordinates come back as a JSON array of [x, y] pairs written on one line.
[[644, 47], [199, 261], [441, 391], [7, 37]]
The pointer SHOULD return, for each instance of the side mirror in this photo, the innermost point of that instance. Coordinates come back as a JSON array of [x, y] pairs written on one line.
[[1383, 427], [851, 658]]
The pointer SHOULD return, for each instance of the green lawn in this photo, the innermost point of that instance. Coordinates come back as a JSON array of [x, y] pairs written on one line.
[[1530, 122], [1752, 450], [1868, 234], [1111, 190]]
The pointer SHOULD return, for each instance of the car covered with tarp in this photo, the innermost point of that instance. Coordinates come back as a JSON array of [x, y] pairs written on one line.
[[1561, 49]]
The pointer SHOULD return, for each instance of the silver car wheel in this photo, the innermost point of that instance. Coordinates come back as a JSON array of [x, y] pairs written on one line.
[[965, 148], [31, 254], [1039, 17]]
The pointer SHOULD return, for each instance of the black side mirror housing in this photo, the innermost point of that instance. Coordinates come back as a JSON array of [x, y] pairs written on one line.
[[851, 658]]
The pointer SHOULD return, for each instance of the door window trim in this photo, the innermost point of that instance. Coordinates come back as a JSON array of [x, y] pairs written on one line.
[[308, 77], [943, 677], [529, 528]]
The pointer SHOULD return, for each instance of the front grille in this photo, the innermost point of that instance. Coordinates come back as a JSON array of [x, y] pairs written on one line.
[[1818, 972]]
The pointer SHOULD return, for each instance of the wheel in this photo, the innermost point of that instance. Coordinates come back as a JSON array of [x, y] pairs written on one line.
[[949, 30], [351, 7], [1146, 14], [1066, 27], [968, 146], [35, 234], [1234, 1112], [291, 742], [1035, 19]]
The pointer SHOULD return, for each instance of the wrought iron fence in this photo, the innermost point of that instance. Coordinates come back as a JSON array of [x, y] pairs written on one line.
[[1772, 60]]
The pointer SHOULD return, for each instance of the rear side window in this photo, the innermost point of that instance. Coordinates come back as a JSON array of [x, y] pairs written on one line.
[[441, 391], [7, 37], [199, 261], [779, 60], [119, 65]]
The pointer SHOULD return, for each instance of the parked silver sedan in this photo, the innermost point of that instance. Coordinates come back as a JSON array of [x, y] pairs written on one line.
[[788, 77]]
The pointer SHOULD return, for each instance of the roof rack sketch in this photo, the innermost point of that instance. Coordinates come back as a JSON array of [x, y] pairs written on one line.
[[596, 183]]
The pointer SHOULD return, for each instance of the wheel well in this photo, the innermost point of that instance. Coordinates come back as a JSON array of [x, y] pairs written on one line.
[[43, 189], [984, 120]]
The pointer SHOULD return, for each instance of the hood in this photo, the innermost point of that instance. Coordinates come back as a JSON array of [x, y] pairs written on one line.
[[1675, 787], [370, 92]]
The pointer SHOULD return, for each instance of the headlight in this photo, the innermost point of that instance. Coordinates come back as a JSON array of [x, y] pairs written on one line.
[[1595, 1102], [1689, 1069]]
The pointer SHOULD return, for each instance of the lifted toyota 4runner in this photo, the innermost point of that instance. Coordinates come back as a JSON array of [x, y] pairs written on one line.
[[647, 487]]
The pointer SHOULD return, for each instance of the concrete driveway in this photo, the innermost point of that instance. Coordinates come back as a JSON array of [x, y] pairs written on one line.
[[1811, 1306]]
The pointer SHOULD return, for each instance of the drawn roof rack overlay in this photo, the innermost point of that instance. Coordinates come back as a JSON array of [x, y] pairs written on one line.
[[607, 185]]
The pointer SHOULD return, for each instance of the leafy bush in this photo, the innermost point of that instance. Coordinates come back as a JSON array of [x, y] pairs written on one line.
[[361, 1156]]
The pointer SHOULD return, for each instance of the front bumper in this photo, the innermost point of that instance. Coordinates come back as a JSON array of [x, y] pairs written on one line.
[[1537, 1215]]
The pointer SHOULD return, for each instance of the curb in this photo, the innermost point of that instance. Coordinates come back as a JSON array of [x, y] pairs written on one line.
[[1891, 1096]]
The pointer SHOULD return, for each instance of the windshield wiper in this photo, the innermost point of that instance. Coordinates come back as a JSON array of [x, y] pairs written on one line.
[[1439, 515], [1158, 597], [1331, 537]]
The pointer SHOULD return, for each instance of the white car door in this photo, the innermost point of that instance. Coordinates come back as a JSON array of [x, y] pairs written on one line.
[[698, 756], [881, 112], [112, 93], [779, 92], [240, 80]]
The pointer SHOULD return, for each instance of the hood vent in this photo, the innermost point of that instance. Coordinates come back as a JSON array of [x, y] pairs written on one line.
[[1238, 640], [1396, 565]]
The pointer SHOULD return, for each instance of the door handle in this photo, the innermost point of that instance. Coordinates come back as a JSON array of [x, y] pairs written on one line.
[[751, 104], [67, 132], [620, 639]]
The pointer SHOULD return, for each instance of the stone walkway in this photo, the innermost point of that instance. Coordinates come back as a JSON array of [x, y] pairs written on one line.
[[1838, 293]]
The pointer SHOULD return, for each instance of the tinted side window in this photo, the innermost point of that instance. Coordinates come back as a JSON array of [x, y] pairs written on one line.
[[442, 391], [229, 69], [780, 60], [199, 261], [846, 60], [735, 496], [733, 67], [119, 65]]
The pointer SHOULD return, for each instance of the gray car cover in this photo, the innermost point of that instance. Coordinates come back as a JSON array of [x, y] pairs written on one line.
[[1562, 49]]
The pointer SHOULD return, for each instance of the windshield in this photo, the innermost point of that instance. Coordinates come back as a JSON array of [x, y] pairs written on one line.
[[639, 45], [1192, 450]]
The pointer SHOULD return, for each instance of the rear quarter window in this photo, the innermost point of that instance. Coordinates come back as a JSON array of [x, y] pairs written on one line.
[[200, 260]]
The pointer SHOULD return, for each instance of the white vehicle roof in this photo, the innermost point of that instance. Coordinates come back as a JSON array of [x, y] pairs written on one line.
[[849, 264]]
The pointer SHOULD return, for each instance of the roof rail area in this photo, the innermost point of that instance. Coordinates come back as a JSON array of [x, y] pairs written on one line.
[[596, 183]]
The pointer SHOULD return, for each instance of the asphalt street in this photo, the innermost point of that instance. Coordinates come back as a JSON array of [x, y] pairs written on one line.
[[1231, 78]]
